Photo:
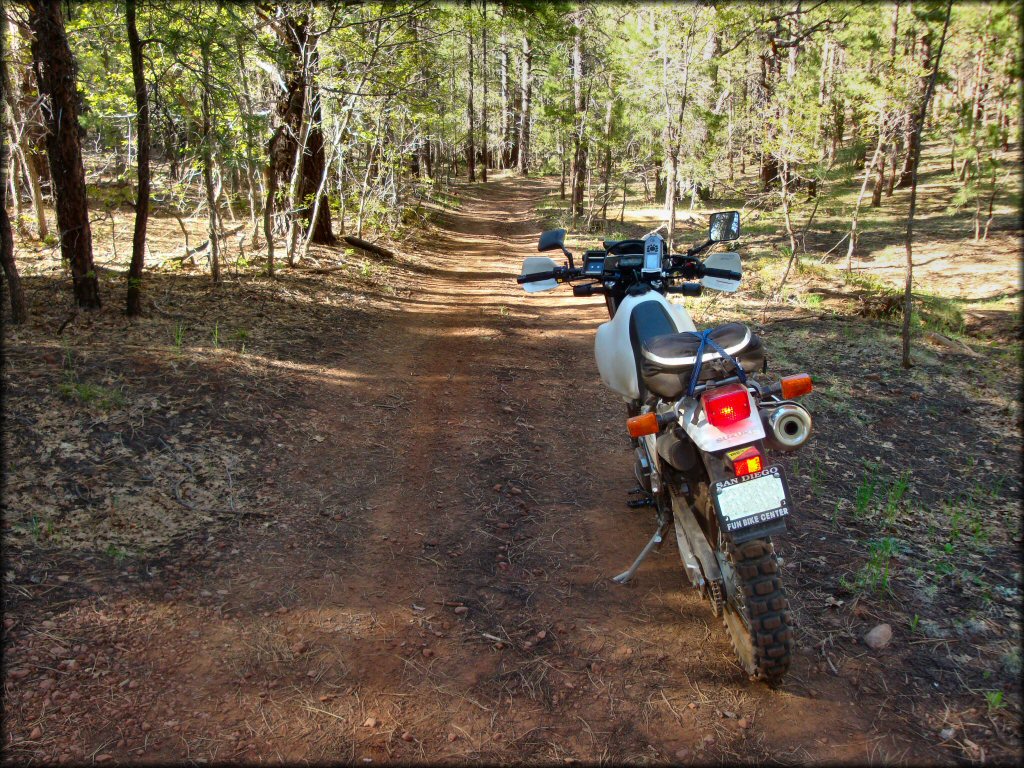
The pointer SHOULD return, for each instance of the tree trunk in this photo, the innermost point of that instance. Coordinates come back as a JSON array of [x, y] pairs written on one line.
[[296, 108], [918, 128], [483, 77], [207, 159], [134, 303], [914, 137], [470, 146], [10, 268], [55, 71], [524, 112], [268, 209], [851, 246], [506, 103], [579, 156], [607, 174]]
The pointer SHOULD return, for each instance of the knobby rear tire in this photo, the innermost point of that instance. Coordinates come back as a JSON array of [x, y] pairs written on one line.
[[760, 625]]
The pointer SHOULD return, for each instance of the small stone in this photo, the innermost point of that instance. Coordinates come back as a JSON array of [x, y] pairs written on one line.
[[325, 698], [452, 737], [103, 758], [371, 722], [879, 637], [299, 648], [500, 646], [406, 736], [692, 705], [743, 723], [541, 635], [17, 674], [427, 653], [727, 713], [497, 488], [515, 491], [461, 610], [947, 733], [37, 732], [683, 754]]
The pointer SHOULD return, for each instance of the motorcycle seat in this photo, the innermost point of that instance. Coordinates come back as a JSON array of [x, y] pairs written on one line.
[[667, 361]]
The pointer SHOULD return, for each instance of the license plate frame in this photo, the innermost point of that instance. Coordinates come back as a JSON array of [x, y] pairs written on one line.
[[752, 500]]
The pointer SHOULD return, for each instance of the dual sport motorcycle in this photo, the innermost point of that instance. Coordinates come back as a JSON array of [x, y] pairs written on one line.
[[700, 424]]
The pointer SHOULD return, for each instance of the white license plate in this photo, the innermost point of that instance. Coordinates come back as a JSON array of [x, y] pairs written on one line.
[[753, 499]]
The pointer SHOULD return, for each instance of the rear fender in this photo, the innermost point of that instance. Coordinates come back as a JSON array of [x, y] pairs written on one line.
[[714, 439]]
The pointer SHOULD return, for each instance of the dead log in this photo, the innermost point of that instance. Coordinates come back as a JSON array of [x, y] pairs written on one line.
[[377, 250]]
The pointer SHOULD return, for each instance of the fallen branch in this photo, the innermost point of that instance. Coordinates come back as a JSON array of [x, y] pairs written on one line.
[[356, 242]]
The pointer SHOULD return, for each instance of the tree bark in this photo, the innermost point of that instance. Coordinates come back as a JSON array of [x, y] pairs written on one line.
[[506, 103], [292, 107], [524, 112], [134, 302], [914, 136], [55, 72], [207, 160], [483, 77], [470, 147], [908, 304], [579, 155], [10, 269]]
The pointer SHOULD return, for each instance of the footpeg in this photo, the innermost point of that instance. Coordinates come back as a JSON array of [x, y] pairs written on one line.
[[641, 498]]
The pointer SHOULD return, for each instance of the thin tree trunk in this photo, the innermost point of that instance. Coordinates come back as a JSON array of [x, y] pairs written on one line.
[[607, 174], [918, 129], [55, 72], [851, 246], [207, 157], [579, 162], [524, 112], [470, 112], [506, 102], [483, 77], [268, 212], [134, 301], [12, 280]]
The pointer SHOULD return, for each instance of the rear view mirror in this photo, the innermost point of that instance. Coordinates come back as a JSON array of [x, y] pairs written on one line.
[[552, 240], [725, 226], [534, 264], [729, 261]]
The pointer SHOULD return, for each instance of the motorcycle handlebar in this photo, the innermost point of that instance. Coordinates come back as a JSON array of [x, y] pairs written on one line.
[[535, 277], [726, 274]]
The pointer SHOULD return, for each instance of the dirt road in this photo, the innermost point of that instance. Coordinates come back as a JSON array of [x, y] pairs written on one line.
[[429, 577]]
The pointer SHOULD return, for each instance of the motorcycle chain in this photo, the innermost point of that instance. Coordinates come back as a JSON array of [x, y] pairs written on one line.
[[716, 598]]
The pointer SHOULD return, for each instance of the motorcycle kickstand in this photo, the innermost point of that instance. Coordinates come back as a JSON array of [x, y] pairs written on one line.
[[656, 539]]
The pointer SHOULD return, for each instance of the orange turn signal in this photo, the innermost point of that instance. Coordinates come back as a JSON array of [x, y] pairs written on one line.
[[647, 424], [796, 386]]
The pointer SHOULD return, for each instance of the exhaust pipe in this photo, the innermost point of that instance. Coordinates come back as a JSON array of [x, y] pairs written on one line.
[[786, 427]]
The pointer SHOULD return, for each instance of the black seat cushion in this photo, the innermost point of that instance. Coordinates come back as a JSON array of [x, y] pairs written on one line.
[[667, 361], [648, 320]]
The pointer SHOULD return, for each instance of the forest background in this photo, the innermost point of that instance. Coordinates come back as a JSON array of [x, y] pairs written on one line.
[[193, 193]]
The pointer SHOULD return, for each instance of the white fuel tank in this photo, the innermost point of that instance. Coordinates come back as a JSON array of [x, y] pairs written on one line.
[[614, 352]]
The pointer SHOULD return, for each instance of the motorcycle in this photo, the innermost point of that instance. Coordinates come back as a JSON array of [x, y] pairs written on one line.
[[700, 424]]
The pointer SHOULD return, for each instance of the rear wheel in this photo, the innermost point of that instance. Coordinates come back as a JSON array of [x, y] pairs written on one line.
[[757, 615]]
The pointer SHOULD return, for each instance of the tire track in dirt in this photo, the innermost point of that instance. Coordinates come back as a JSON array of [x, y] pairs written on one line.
[[505, 495]]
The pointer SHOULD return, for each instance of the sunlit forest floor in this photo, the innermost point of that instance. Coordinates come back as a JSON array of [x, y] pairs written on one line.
[[369, 509]]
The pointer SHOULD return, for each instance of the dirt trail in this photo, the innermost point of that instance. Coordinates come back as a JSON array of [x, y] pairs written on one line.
[[435, 585]]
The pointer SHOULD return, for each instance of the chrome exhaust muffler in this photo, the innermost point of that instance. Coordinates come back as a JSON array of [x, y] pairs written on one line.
[[786, 426]]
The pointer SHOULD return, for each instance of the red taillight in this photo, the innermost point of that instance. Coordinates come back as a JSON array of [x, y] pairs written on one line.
[[746, 461], [726, 405]]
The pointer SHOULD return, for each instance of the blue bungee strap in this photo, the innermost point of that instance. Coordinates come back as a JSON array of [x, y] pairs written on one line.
[[705, 338]]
